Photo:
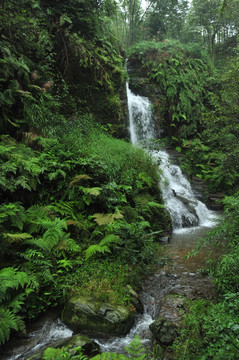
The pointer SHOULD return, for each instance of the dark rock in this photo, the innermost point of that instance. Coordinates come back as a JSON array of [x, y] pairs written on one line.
[[215, 201], [134, 299], [171, 307], [88, 315], [164, 331]]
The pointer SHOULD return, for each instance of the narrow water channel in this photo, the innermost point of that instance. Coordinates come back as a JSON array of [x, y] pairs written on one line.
[[191, 220]]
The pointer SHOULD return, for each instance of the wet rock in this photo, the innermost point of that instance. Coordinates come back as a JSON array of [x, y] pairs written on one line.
[[164, 239], [190, 219], [215, 201], [134, 299], [164, 331], [89, 315], [88, 346], [171, 307]]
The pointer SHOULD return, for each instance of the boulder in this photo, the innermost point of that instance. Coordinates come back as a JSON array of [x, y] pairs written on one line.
[[89, 315], [164, 331], [165, 327], [172, 307], [134, 299], [88, 346]]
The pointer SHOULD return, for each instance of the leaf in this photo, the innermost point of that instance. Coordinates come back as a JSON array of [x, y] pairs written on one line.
[[95, 191], [17, 237], [110, 239], [105, 219], [94, 249], [153, 204], [79, 178]]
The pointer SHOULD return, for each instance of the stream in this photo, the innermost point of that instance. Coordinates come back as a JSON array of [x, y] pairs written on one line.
[[181, 276]]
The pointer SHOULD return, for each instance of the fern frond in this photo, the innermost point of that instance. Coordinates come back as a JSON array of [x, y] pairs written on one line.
[[110, 356], [105, 219], [103, 246], [64, 208], [51, 236], [153, 204], [94, 249], [15, 238], [66, 244], [110, 239], [95, 191], [78, 179], [12, 279], [9, 321]]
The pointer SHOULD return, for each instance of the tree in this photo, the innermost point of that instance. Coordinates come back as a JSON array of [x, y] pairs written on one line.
[[212, 19], [166, 18]]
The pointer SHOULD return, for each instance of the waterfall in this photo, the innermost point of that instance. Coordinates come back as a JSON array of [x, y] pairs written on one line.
[[186, 211], [141, 121]]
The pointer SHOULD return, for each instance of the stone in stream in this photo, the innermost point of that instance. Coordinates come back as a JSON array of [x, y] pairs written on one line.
[[134, 299], [88, 346], [165, 327], [92, 316], [164, 331]]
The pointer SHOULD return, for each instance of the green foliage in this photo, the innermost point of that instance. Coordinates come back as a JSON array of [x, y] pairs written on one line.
[[183, 73], [103, 246], [64, 353], [226, 269], [15, 286], [210, 329], [212, 154], [135, 351]]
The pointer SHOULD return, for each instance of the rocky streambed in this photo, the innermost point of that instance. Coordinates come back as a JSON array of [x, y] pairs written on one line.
[[163, 295]]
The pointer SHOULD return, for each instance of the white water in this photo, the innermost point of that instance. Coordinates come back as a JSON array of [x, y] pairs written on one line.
[[141, 122], [188, 215], [50, 332], [141, 327], [185, 210]]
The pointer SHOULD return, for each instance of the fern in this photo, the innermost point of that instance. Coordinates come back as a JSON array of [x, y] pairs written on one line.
[[64, 353], [79, 178], [110, 356], [14, 212], [67, 245], [9, 321], [15, 286], [103, 246], [135, 351], [15, 238], [106, 219], [11, 280], [51, 236], [65, 208], [96, 249]]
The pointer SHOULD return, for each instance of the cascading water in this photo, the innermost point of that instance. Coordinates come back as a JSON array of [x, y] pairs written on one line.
[[188, 215], [141, 122], [141, 327], [46, 333], [185, 210]]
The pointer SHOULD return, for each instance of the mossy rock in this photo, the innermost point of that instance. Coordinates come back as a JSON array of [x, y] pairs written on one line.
[[164, 331], [91, 316]]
